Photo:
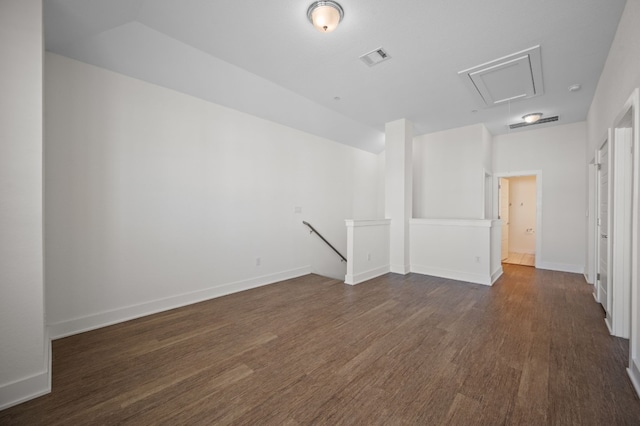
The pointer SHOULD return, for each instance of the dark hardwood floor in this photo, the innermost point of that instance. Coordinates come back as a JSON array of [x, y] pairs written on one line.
[[532, 349]]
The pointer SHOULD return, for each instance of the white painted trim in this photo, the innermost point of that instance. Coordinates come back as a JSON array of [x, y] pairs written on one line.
[[592, 219], [366, 276], [30, 387], [352, 223], [481, 223], [620, 212], [595, 297], [400, 269], [607, 321], [634, 344], [453, 275], [633, 105], [562, 267], [103, 319], [634, 374], [497, 274], [602, 295]]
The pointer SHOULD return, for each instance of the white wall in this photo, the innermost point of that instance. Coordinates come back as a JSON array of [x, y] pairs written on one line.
[[381, 196], [156, 199], [559, 153], [367, 249], [620, 76], [461, 250], [398, 191], [522, 214], [23, 346], [449, 169]]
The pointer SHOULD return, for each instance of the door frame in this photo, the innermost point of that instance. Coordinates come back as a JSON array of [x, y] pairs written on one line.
[[596, 214], [633, 104], [620, 211], [496, 203], [504, 225]]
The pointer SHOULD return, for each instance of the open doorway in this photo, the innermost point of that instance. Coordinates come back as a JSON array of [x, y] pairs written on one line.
[[617, 298], [518, 199]]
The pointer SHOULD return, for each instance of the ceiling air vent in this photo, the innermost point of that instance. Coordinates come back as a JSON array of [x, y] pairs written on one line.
[[541, 121], [375, 57]]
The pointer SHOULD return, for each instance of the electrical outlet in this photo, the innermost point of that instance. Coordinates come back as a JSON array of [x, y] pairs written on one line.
[[297, 209], [369, 257], [258, 261], [477, 259]]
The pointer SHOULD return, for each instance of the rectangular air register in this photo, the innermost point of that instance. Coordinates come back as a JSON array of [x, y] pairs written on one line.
[[375, 57], [541, 121], [510, 78]]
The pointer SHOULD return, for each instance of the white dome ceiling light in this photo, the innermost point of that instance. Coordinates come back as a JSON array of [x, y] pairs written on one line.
[[325, 15]]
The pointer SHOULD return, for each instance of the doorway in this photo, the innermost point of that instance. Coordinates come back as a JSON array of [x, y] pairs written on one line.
[[518, 211], [618, 306], [602, 225]]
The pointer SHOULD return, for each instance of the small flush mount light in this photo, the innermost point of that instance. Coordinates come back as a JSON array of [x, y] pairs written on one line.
[[325, 15], [532, 118], [574, 87]]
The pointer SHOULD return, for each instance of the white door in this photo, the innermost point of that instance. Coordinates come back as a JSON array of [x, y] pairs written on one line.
[[603, 225], [620, 195], [504, 215]]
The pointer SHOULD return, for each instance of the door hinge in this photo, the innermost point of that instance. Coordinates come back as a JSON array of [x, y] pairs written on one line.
[[598, 221], [598, 166], [598, 276]]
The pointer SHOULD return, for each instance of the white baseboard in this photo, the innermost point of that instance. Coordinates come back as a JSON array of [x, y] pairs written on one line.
[[586, 278], [453, 275], [103, 319], [607, 321], [634, 375], [31, 387], [366, 276], [562, 267], [497, 274], [400, 269]]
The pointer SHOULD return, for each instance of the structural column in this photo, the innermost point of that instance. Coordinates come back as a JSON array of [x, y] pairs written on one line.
[[24, 356], [399, 190]]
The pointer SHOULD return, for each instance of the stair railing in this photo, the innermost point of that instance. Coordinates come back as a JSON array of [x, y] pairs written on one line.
[[343, 259]]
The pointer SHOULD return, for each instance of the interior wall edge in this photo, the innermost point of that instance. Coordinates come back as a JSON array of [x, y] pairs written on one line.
[[30, 387]]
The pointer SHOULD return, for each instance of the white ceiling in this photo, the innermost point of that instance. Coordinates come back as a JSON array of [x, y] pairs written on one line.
[[266, 59]]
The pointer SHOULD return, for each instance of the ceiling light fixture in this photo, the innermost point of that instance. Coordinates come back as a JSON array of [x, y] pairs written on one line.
[[532, 118], [325, 15]]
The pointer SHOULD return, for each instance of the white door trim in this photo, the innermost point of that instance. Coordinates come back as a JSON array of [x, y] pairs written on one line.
[[595, 213], [633, 104], [603, 296], [620, 212], [539, 230]]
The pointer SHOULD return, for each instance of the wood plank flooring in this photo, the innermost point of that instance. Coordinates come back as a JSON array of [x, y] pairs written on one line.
[[532, 349], [524, 259]]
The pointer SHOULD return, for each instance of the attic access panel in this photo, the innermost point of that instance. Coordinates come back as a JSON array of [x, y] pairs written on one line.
[[512, 77]]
